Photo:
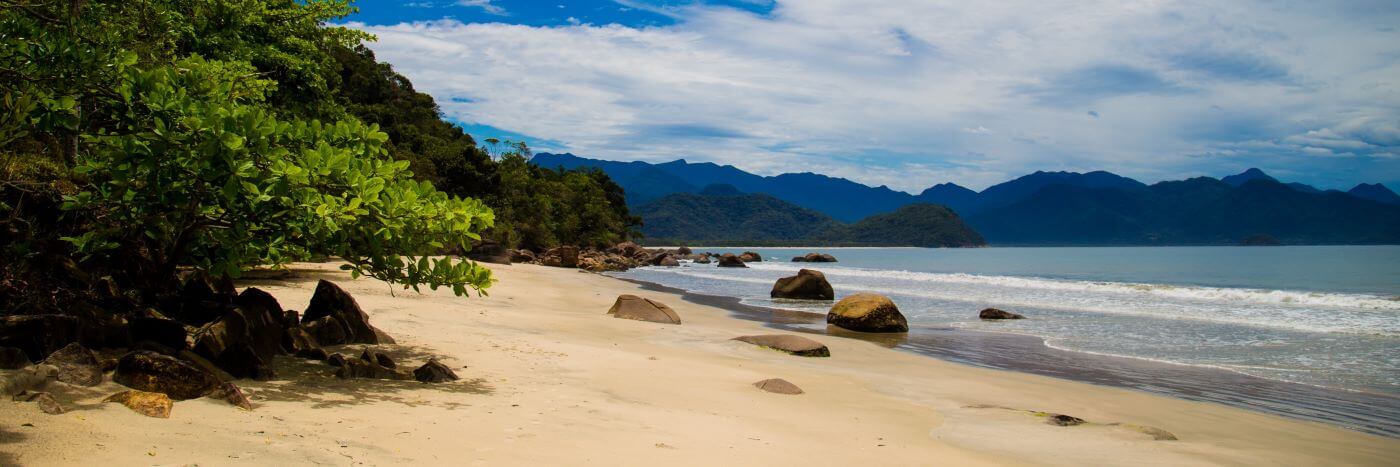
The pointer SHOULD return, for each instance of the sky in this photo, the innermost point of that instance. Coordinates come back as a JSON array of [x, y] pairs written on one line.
[[911, 93]]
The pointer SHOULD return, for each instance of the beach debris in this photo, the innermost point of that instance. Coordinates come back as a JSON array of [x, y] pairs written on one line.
[[643, 309], [867, 312], [994, 313], [796, 345], [750, 257], [154, 328], [1062, 420], [806, 285], [153, 372], [12, 358], [778, 386], [38, 335], [150, 404], [30, 378], [814, 258], [76, 365], [728, 260], [434, 372], [330, 301]]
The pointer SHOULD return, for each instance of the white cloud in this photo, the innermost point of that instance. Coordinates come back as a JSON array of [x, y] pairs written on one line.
[[485, 5], [904, 93]]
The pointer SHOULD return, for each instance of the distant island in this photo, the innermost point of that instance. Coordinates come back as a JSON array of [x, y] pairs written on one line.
[[1043, 208]]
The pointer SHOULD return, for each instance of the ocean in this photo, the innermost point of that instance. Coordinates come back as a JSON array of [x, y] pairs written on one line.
[[1304, 331]]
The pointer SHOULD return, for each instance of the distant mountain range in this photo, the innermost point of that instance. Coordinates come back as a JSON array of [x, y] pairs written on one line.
[[1062, 208]]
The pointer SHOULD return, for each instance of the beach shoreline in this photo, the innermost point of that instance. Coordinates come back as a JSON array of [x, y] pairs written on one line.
[[548, 377]]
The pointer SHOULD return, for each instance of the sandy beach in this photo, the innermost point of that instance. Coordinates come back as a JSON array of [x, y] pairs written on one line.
[[549, 378]]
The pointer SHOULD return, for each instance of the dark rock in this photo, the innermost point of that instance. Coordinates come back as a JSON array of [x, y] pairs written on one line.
[[702, 259], [336, 359], [796, 345], [685, 250], [254, 298], [168, 333], [332, 301], [328, 331], [522, 256], [563, 257], [627, 249], [993, 313], [866, 312], [38, 335], [381, 359], [76, 365], [806, 285], [1063, 420], [231, 393], [490, 251], [751, 257], [814, 258], [153, 372], [365, 369], [663, 259], [778, 386], [243, 342], [296, 340], [316, 353], [434, 372], [642, 309], [204, 298], [728, 260], [12, 358]]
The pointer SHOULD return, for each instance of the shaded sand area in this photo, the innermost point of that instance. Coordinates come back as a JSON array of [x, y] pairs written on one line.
[[549, 378]]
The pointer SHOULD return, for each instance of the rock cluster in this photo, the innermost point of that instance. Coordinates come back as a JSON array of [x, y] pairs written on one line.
[[620, 257], [814, 258]]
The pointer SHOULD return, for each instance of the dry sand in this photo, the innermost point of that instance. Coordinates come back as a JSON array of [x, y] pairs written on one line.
[[548, 378]]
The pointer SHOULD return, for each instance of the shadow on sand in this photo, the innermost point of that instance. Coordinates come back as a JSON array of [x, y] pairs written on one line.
[[300, 380]]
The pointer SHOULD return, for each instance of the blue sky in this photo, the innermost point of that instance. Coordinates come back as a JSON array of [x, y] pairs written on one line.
[[910, 93]]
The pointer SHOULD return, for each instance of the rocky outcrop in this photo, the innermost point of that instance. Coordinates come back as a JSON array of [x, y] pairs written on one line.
[[150, 404], [434, 372], [685, 250], [796, 345], [993, 313], [381, 359], [369, 369], [814, 258], [665, 259], [522, 256], [561, 257], [806, 285], [76, 365], [778, 386], [166, 332], [866, 312], [490, 251], [153, 372], [728, 260], [750, 257], [351, 323], [702, 259], [38, 335], [244, 341], [12, 358], [642, 309]]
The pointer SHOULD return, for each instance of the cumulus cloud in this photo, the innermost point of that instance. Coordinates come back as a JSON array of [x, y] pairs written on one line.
[[485, 5], [905, 92]]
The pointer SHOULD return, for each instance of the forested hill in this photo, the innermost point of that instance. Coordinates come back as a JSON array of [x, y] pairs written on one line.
[[1063, 208]]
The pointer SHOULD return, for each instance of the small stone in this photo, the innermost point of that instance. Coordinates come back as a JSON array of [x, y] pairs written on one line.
[[49, 405], [150, 404], [778, 386], [434, 372], [1063, 420]]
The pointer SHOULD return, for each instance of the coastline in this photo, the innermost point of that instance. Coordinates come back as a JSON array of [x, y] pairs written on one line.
[[1376, 414], [549, 378]]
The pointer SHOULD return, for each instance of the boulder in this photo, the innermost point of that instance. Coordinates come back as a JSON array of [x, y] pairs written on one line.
[[993, 313], [76, 365], [796, 345], [434, 372], [728, 260], [489, 251], [332, 301], [153, 372], [150, 404], [38, 335], [328, 331], [243, 342], [562, 257], [806, 285], [295, 341], [643, 309], [751, 257], [663, 259], [336, 359], [685, 250], [203, 298], [867, 312], [166, 332], [367, 369], [381, 359], [814, 258], [12, 358], [49, 405], [522, 256], [254, 298], [627, 249], [778, 386], [702, 259], [231, 393]]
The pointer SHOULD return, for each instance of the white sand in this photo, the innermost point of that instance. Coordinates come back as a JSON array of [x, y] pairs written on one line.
[[548, 378]]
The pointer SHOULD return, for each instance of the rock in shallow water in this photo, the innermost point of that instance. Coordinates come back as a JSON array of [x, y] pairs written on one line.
[[806, 285], [993, 313], [867, 312], [728, 260]]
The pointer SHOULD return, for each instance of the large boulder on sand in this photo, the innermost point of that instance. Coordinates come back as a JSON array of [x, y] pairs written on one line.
[[751, 257], [153, 372], [728, 260], [332, 301], [244, 341], [814, 258], [434, 372], [778, 386], [643, 309], [993, 313], [807, 285], [867, 312], [796, 345], [76, 365]]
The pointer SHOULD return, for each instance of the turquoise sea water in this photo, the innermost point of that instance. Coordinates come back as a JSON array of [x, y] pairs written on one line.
[[1325, 316]]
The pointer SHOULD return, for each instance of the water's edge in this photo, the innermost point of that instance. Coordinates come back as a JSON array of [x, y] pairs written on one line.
[[1365, 412]]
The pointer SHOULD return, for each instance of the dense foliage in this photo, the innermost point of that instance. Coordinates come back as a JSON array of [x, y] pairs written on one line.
[[143, 137], [720, 216]]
